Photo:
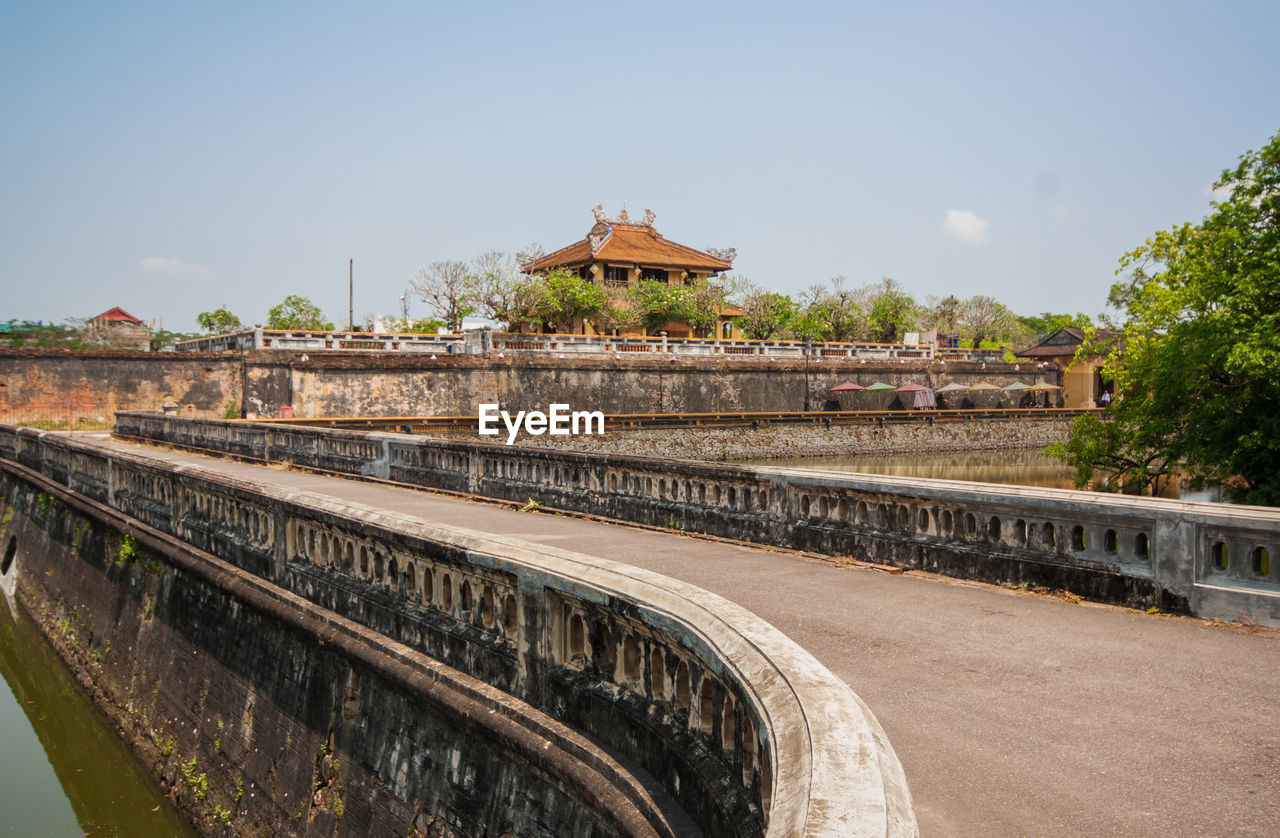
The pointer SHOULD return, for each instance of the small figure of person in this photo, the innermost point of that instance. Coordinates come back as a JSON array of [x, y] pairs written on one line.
[[1105, 401]]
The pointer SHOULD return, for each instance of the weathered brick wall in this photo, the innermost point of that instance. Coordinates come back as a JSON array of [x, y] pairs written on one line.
[[54, 386], [454, 385], [40, 385], [746, 443]]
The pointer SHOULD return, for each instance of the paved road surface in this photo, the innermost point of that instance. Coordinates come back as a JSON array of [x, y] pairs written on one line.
[[1013, 715]]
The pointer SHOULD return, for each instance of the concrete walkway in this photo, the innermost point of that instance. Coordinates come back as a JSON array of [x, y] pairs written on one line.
[[1013, 715]]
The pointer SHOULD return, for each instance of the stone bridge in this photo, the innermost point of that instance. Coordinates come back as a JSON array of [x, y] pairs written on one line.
[[397, 676], [661, 708]]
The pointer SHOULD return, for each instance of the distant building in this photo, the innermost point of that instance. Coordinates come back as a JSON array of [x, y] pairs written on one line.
[[1082, 383], [118, 329], [619, 253]]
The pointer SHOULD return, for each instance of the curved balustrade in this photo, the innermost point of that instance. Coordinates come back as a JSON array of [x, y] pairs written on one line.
[[1211, 559], [746, 730]]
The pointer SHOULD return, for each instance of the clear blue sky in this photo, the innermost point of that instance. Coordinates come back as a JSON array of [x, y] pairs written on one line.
[[172, 157]]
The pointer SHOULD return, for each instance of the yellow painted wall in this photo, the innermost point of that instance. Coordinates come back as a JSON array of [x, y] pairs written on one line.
[[1078, 381]]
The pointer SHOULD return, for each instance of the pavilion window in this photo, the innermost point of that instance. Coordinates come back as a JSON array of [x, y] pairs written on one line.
[[613, 275], [584, 272], [654, 275]]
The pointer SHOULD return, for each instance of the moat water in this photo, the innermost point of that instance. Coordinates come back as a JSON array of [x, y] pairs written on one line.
[[1015, 466], [63, 769]]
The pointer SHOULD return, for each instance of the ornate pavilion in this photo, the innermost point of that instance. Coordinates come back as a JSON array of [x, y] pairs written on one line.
[[620, 252]]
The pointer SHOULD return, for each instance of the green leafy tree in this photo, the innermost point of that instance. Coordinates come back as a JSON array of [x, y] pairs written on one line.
[[562, 299], [655, 304], [706, 300], [297, 313], [891, 313], [1198, 374], [219, 322], [984, 318], [831, 312], [809, 324], [1046, 323], [765, 313]]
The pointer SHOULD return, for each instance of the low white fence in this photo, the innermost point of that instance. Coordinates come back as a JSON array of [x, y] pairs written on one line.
[[481, 341]]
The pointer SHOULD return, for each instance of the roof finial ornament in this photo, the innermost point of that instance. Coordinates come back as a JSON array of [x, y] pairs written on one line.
[[623, 218], [649, 216], [598, 212]]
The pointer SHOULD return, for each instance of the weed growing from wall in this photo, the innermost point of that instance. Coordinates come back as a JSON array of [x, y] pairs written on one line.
[[128, 552]]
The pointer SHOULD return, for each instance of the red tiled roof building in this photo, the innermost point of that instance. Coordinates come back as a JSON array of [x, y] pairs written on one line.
[[118, 329], [116, 315], [620, 252]]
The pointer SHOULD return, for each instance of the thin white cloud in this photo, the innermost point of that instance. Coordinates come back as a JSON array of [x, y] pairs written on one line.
[[170, 267], [1222, 193], [966, 226]]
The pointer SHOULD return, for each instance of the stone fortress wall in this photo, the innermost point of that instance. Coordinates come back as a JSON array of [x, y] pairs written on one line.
[[40, 384]]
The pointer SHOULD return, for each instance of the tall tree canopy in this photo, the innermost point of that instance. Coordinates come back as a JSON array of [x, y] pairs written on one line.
[[1046, 323], [986, 318], [449, 287], [835, 310], [655, 304], [1199, 370], [295, 312], [891, 312], [220, 321], [764, 313], [562, 299]]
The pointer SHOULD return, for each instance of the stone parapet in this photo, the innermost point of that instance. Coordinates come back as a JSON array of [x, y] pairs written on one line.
[[1213, 560]]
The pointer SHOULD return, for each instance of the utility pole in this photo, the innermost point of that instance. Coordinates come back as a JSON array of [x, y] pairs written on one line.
[[351, 295]]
